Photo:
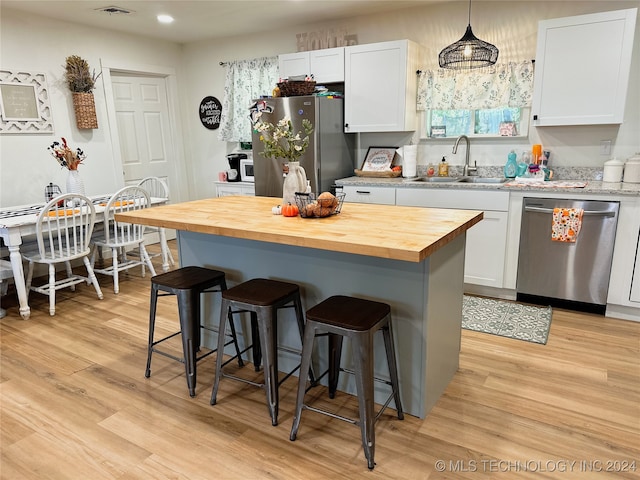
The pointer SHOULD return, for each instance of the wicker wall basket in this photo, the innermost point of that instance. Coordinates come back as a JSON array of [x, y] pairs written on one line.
[[85, 108]]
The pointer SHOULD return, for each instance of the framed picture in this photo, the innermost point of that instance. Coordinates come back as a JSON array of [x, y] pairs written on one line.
[[508, 129], [378, 159], [439, 131], [24, 102], [18, 101]]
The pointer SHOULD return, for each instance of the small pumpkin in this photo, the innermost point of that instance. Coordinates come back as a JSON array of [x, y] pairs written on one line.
[[290, 210]]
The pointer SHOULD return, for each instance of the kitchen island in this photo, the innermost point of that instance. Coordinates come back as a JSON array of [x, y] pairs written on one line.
[[411, 258]]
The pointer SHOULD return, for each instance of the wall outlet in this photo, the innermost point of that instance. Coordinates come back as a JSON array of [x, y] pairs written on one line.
[[605, 147]]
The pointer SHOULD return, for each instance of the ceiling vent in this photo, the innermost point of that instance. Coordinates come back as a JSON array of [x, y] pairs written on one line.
[[115, 10]]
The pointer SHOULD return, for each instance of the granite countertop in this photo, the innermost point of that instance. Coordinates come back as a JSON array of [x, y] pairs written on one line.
[[591, 178]]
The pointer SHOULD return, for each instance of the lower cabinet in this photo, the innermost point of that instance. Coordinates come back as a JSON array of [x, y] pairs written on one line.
[[486, 241], [235, 188]]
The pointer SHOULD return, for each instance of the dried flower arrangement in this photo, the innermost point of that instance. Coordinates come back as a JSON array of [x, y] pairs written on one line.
[[66, 157], [78, 77]]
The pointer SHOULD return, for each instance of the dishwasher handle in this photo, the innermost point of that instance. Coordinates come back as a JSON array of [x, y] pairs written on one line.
[[599, 213]]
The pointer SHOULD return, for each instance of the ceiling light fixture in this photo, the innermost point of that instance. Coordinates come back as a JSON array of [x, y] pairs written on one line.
[[469, 52], [113, 10], [165, 18]]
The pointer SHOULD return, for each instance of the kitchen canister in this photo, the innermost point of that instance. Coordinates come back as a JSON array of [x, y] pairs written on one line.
[[612, 172], [632, 169]]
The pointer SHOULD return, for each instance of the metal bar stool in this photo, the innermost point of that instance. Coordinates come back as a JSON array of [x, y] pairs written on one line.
[[262, 298], [187, 283], [358, 319]]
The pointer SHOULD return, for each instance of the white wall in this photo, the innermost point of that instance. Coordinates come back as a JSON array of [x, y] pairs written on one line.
[[42, 44], [37, 44]]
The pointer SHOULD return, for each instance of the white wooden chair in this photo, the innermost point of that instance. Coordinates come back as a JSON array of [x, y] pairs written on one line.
[[63, 232], [119, 236], [156, 187]]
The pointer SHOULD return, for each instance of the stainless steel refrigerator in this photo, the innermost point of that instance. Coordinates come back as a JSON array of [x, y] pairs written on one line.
[[330, 154]]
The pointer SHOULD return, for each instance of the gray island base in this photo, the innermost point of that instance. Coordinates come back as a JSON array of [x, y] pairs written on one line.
[[425, 299]]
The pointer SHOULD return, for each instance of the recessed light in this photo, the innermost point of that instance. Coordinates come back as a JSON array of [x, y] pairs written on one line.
[[165, 18]]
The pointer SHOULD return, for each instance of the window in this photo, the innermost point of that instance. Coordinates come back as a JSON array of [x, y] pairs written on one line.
[[488, 102], [493, 122]]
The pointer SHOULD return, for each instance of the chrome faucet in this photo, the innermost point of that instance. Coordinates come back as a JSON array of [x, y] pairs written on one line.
[[467, 168]]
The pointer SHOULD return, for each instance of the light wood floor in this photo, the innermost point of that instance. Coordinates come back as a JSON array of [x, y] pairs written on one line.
[[75, 405]]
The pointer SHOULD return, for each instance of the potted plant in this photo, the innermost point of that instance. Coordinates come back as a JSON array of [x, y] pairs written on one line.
[[81, 82]]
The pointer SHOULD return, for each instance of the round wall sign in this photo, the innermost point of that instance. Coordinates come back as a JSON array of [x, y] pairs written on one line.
[[210, 110]]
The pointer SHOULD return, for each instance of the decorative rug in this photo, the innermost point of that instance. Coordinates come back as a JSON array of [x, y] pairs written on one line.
[[507, 319]]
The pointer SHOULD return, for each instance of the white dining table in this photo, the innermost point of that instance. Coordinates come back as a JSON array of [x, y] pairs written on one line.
[[19, 222]]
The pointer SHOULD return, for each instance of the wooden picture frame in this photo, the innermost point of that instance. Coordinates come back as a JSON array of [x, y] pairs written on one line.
[[24, 102], [378, 159]]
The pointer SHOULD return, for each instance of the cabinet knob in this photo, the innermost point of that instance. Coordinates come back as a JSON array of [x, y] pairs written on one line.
[[535, 117]]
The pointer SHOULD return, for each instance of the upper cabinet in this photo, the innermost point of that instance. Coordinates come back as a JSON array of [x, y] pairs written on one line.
[[380, 87], [582, 68], [326, 66]]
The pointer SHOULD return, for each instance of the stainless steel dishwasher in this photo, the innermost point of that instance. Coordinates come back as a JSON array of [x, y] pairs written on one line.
[[567, 275]]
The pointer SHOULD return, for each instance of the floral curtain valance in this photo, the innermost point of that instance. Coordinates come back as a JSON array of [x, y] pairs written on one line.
[[501, 85], [246, 80]]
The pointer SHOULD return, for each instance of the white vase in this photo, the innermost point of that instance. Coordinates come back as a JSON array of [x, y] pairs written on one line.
[[295, 181], [75, 183]]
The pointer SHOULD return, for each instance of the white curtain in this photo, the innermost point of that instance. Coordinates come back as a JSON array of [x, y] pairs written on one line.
[[246, 80], [501, 85]]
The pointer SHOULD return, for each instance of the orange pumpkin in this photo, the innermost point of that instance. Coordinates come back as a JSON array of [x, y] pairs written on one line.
[[290, 210]]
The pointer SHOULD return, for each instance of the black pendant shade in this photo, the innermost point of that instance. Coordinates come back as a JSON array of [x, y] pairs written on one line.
[[469, 52]]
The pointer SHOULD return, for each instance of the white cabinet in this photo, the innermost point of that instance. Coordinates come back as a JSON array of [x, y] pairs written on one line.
[[235, 188], [367, 194], [290, 64], [582, 68], [380, 87], [486, 241], [326, 65]]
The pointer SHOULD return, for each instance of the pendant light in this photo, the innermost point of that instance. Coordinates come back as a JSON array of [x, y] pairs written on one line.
[[468, 52]]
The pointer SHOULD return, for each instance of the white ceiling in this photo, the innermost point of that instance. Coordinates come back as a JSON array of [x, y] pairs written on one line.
[[206, 19]]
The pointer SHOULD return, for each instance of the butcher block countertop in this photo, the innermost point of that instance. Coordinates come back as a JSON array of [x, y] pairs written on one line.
[[394, 232]]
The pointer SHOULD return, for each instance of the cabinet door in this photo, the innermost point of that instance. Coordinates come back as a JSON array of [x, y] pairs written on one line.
[[582, 68], [380, 91], [327, 65], [485, 251], [291, 64], [366, 194]]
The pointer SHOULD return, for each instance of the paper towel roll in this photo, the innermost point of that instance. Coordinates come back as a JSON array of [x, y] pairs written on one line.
[[409, 160]]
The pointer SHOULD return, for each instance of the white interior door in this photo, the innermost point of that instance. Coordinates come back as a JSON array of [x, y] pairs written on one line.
[[143, 128], [142, 119]]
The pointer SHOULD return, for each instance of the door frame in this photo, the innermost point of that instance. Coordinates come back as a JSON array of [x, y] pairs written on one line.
[[108, 68]]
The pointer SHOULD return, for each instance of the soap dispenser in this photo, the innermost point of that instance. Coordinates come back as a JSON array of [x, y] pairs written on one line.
[[511, 167], [443, 168]]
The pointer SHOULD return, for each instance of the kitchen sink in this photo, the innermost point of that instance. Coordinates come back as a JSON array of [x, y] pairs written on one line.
[[434, 179], [482, 180]]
